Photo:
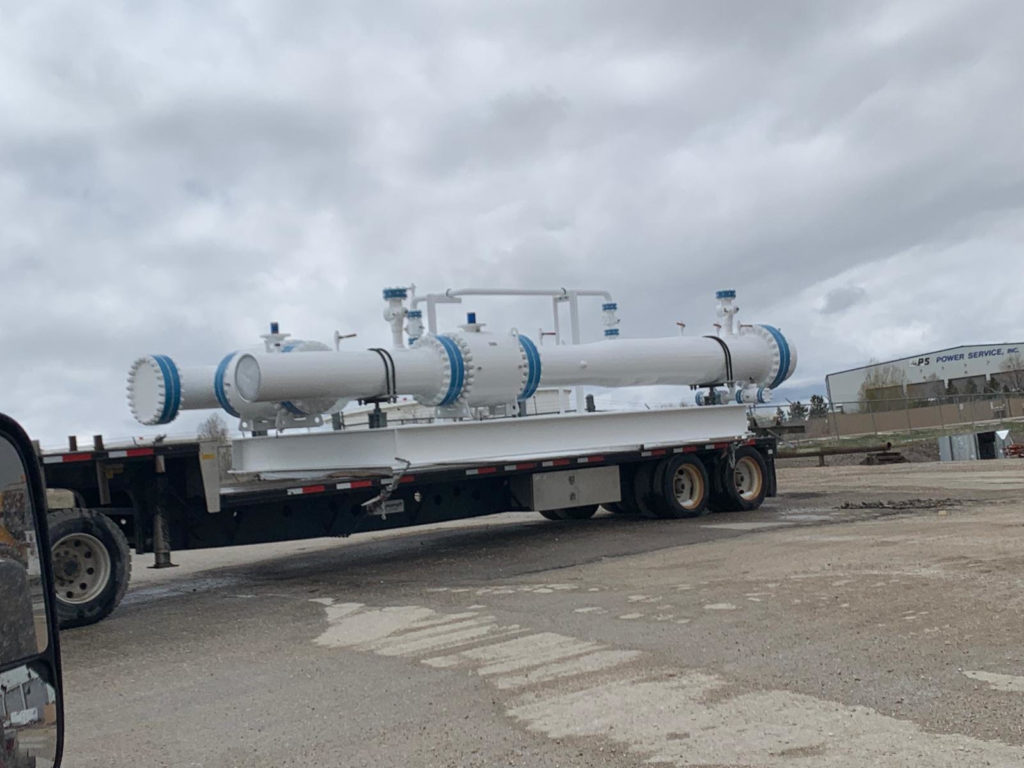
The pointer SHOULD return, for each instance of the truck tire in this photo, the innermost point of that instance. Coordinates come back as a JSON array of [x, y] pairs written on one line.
[[570, 513], [626, 506], [643, 490], [681, 487], [743, 485], [579, 513], [91, 565]]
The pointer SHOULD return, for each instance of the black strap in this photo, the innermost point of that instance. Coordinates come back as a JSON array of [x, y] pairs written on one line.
[[389, 373], [728, 358]]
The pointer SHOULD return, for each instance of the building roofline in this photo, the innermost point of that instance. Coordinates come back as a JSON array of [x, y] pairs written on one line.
[[923, 354]]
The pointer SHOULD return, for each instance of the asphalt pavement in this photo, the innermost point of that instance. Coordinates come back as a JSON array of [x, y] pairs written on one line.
[[866, 616]]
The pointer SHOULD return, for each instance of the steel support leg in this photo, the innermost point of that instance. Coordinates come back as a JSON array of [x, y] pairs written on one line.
[[161, 528]]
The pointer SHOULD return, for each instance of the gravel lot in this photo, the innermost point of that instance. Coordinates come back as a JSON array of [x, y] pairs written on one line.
[[866, 616]]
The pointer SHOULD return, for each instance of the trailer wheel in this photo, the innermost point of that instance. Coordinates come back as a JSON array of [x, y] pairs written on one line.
[[681, 487], [626, 506], [743, 485], [570, 513], [580, 513], [91, 565], [643, 490]]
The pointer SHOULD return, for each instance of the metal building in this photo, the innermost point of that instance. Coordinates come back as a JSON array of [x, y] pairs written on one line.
[[964, 370]]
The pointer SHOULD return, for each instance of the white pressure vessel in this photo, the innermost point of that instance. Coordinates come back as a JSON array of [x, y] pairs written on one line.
[[159, 388], [479, 369]]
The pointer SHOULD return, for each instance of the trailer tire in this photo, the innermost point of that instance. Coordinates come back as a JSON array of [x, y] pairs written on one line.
[[626, 506], [742, 484], [579, 513], [91, 565], [681, 487], [570, 513], [644, 491]]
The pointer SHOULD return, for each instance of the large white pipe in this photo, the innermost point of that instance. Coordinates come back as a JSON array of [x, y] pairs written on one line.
[[159, 388], [344, 374], [475, 368], [455, 371], [669, 360]]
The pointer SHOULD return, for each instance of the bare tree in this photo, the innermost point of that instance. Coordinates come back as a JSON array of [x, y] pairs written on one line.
[[881, 383], [213, 428], [1012, 375]]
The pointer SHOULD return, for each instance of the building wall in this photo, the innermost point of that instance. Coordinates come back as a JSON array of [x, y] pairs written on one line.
[[967, 369]]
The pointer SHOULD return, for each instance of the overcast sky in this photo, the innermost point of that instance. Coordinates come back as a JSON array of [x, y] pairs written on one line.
[[175, 175]]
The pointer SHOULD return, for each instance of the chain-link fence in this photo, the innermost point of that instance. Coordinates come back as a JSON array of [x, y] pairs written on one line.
[[924, 417]]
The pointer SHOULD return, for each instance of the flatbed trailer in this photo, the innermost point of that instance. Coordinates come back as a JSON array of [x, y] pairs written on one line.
[[161, 497]]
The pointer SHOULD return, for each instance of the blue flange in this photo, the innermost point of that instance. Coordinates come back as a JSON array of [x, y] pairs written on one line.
[[784, 356], [458, 370], [172, 388], [533, 368], [218, 386]]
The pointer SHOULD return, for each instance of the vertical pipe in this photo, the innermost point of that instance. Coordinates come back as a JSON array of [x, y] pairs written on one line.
[[431, 316], [574, 324]]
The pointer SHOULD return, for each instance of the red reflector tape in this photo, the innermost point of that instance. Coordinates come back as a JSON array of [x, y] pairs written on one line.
[[130, 453], [67, 458], [689, 449], [354, 484], [589, 459], [407, 478], [481, 471], [306, 490]]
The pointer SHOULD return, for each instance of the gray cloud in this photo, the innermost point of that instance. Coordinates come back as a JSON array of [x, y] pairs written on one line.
[[172, 179], [839, 299]]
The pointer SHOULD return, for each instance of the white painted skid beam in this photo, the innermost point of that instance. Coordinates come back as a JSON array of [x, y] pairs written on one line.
[[479, 442]]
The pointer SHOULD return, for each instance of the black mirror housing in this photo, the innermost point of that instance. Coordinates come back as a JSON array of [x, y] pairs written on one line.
[[31, 700]]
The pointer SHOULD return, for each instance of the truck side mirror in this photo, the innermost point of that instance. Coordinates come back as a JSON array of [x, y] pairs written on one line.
[[31, 704]]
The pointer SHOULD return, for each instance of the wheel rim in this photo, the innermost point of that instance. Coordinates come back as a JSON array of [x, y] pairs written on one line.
[[688, 487], [81, 567], [748, 478]]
